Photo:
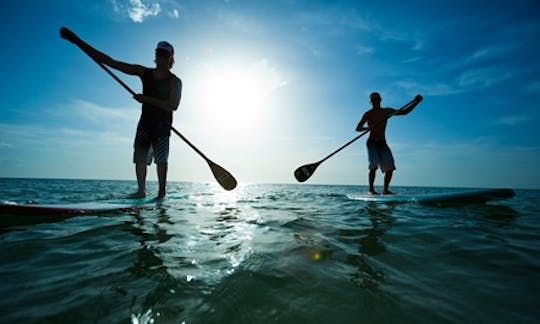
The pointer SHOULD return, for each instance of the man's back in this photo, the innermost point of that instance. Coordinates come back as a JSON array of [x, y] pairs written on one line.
[[377, 120]]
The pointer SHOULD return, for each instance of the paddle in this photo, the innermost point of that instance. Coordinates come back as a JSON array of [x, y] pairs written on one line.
[[306, 171], [223, 177]]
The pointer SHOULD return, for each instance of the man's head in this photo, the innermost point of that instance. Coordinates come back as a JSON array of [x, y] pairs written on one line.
[[375, 98], [165, 51]]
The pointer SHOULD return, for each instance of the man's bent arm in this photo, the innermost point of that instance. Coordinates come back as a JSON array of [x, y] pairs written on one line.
[[360, 127], [170, 104]]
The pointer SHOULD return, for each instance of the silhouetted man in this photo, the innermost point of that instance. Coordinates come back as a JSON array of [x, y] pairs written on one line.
[[379, 153], [161, 95]]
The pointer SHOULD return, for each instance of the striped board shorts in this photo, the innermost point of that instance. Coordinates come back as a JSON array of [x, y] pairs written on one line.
[[147, 148]]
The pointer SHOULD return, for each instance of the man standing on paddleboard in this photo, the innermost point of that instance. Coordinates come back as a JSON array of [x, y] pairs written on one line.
[[379, 153], [161, 95]]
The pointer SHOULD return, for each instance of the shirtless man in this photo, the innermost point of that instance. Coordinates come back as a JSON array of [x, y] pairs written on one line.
[[379, 154]]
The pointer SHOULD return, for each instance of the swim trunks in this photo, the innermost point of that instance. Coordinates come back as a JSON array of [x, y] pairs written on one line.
[[147, 148], [380, 155]]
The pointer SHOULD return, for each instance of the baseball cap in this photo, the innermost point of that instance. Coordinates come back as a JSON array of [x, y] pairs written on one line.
[[165, 46]]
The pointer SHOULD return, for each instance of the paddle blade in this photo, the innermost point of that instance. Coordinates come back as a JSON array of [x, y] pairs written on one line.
[[304, 172], [223, 177]]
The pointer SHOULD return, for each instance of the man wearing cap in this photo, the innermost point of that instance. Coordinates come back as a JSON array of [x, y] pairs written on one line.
[[161, 95]]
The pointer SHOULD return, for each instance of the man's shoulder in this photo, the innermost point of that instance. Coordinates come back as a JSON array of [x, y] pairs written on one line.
[[388, 110], [176, 78]]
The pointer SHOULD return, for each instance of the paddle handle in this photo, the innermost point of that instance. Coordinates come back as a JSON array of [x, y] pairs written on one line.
[[344, 146]]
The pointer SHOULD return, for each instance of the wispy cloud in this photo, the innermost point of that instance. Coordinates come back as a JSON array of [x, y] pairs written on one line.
[[513, 120], [364, 50], [139, 10], [482, 78], [467, 81], [533, 87], [5, 145], [36, 137], [492, 52], [174, 13], [87, 111], [430, 89]]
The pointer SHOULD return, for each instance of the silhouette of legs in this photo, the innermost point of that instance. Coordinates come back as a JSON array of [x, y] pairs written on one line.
[[162, 178], [372, 173], [140, 171], [387, 179]]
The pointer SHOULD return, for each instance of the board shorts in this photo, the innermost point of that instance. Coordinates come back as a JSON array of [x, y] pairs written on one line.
[[146, 148], [380, 155]]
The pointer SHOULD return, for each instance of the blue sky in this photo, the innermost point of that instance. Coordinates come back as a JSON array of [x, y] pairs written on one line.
[[272, 85]]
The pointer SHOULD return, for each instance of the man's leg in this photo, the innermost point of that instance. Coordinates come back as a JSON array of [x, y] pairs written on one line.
[[162, 178], [388, 166], [140, 172], [142, 156], [387, 179], [372, 173]]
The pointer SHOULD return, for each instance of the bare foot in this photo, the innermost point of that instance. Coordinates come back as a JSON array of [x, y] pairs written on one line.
[[137, 195], [387, 192], [372, 192]]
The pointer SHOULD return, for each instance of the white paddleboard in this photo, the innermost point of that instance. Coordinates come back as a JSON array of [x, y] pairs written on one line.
[[465, 196], [75, 208]]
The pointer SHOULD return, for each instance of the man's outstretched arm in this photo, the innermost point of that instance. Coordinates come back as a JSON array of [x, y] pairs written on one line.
[[410, 106], [131, 69]]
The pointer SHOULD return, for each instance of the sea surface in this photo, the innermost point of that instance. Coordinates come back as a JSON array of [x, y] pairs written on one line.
[[268, 254]]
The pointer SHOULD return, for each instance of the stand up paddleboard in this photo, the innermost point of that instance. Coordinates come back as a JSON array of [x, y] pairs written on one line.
[[12, 213], [466, 196]]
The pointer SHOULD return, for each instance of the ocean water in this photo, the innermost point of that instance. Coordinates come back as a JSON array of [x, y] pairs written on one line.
[[269, 254]]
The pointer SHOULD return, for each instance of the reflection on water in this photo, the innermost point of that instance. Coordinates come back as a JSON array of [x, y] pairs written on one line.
[[193, 252], [272, 254], [370, 244], [354, 239]]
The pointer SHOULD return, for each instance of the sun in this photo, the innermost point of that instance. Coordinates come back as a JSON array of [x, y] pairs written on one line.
[[233, 96]]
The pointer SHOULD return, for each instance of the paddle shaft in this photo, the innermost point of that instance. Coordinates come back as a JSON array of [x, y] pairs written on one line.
[[364, 132], [133, 93]]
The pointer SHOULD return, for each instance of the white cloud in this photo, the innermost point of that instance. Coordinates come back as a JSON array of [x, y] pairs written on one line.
[[136, 10], [174, 13]]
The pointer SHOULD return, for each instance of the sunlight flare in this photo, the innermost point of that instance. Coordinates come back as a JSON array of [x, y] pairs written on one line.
[[233, 96]]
